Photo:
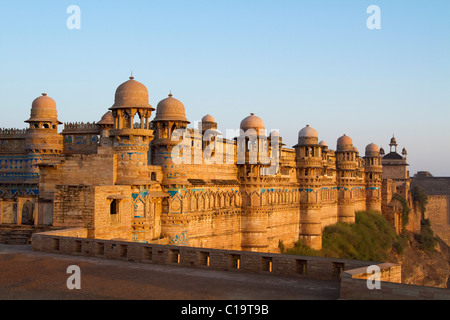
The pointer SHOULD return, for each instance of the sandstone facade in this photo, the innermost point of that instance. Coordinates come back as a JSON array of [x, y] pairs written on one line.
[[132, 178]]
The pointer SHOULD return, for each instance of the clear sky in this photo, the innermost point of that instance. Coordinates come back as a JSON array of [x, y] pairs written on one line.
[[291, 62]]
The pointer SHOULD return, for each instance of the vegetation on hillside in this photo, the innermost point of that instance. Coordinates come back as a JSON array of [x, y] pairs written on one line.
[[420, 199], [371, 237], [405, 210], [427, 240]]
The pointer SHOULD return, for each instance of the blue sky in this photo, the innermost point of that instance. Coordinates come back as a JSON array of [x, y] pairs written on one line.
[[290, 62]]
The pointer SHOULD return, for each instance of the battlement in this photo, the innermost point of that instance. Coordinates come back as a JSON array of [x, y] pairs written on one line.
[[12, 132], [79, 125]]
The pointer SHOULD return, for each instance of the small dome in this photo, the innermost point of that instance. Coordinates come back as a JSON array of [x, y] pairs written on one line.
[[308, 132], [323, 144], [131, 94], [43, 102], [170, 109], [252, 122], [355, 149], [344, 143], [274, 133], [393, 141], [208, 118], [43, 108], [372, 150], [107, 119]]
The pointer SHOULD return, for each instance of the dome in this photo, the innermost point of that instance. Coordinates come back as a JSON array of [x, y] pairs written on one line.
[[275, 133], [372, 150], [208, 118], [323, 144], [393, 141], [43, 109], [252, 122], [131, 94], [308, 136], [308, 132], [170, 109], [344, 143], [107, 119]]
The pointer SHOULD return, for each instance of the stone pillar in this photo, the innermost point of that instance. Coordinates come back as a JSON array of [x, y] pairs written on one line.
[[1, 211], [36, 212], [346, 211], [254, 231], [19, 211], [311, 226]]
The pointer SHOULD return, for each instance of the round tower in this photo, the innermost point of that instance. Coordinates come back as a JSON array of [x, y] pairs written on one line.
[[42, 136], [373, 172], [131, 132], [252, 152], [346, 167], [308, 153], [170, 117]]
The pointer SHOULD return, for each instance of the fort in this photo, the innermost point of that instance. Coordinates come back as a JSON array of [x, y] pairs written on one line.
[[121, 178]]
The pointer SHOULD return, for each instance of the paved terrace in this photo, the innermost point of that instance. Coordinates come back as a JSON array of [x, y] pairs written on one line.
[[27, 274]]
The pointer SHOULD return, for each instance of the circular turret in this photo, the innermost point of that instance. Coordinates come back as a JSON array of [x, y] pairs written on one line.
[[170, 109], [308, 136]]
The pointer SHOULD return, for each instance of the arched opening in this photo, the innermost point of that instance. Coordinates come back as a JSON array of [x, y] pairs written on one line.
[[27, 213]]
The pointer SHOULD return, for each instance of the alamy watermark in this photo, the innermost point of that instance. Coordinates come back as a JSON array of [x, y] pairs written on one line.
[[374, 21], [373, 281], [73, 22], [209, 147], [74, 281]]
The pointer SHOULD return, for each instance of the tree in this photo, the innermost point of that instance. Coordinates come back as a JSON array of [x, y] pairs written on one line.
[[420, 199]]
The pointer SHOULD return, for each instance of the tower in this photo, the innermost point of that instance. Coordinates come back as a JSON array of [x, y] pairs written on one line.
[[42, 136], [252, 154], [346, 167], [131, 139], [309, 171], [169, 121], [373, 171]]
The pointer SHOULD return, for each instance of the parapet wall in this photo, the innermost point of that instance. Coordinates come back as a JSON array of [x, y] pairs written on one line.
[[73, 242], [354, 286], [353, 274]]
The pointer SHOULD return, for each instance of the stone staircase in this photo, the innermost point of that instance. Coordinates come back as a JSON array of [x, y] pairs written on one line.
[[19, 236]]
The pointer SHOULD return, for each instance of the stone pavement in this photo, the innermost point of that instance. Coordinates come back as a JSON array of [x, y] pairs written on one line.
[[25, 274]]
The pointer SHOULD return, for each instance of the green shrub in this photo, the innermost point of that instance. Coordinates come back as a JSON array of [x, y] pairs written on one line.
[[405, 211], [427, 240], [371, 237], [420, 198]]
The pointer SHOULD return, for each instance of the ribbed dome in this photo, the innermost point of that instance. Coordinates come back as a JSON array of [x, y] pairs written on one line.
[[131, 94], [170, 109], [107, 119], [43, 109], [344, 143], [208, 118], [308, 132], [252, 122], [372, 150]]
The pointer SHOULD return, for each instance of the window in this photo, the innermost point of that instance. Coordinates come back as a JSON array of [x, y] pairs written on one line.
[[300, 266], [266, 264], [337, 268], [203, 259], [234, 261], [114, 211]]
